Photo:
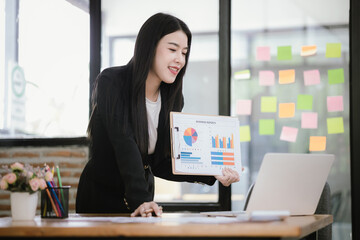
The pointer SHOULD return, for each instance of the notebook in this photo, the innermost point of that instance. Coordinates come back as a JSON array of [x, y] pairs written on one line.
[[288, 182]]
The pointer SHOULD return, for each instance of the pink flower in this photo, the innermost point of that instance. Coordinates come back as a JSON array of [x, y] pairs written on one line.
[[30, 174], [34, 184], [10, 178], [48, 176], [42, 183], [3, 184], [17, 166]]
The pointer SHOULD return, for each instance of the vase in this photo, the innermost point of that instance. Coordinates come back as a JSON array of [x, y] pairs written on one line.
[[23, 205]]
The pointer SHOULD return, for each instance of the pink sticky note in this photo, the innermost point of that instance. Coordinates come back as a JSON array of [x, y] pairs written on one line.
[[289, 134], [263, 53], [243, 107], [309, 120], [311, 77], [266, 78], [335, 104]]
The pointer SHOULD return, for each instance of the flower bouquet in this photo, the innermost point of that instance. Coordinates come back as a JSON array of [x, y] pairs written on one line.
[[22, 178], [24, 181]]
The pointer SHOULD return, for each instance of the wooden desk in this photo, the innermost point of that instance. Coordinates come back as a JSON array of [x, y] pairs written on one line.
[[171, 226]]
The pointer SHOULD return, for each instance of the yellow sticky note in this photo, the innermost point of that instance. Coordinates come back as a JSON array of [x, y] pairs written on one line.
[[244, 74], [268, 104], [286, 110], [245, 135], [317, 143], [286, 76], [333, 50], [335, 125]]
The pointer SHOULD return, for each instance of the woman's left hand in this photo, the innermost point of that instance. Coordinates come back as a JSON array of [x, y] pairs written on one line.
[[147, 209], [229, 176]]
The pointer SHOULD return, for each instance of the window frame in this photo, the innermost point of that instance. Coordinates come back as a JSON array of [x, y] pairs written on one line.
[[355, 116]]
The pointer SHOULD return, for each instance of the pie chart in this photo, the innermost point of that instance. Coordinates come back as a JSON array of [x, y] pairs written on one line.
[[190, 136]]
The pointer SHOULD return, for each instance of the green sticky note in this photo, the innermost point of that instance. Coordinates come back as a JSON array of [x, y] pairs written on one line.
[[304, 102], [266, 127], [336, 76], [333, 50], [335, 125], [268, 104], [284, 53], [245, 133]]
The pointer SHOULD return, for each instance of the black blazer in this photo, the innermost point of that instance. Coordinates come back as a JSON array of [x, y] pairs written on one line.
[[116, 179]]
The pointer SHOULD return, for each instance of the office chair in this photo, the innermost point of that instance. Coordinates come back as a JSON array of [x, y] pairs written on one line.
[[323, 207]]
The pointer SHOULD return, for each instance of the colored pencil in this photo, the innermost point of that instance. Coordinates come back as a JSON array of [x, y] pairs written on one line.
[[56, 198], [52, 202], [60, 184]]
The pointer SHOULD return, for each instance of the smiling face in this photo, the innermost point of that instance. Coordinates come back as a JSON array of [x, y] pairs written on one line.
[[170, 58]]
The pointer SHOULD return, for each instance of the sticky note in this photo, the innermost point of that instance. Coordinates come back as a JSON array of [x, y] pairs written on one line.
[[309, 120], [284, 53], [335, 125], [309, 50], [266, 78], [336, 75], [286, 110], [263, 53], [268, 104], [244, 74], [289, 134], [335, 104], [311, 77], [333, 50], [245, 133], [243, 107], [317, 143], [304, 102], [286, 76], [266, 127]]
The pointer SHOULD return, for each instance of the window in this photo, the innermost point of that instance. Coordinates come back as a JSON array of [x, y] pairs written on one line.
[[44, 81], [267, 41]]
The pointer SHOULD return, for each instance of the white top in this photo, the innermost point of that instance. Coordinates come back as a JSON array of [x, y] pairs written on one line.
[[153, 111]]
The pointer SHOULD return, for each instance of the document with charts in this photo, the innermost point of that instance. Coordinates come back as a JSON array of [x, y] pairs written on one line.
[[204, 144]]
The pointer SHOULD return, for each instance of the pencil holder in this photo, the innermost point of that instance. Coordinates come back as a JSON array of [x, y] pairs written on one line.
[[55, 202]]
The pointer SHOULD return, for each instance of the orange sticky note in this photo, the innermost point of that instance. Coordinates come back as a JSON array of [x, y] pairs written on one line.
[[308, 50], [286, 110], [317, 143], [286, 76]]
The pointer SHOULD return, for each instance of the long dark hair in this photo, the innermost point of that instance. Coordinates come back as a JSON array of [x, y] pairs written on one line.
[[156, 27]]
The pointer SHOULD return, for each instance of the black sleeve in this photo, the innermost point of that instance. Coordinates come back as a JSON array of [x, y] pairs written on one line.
[[111, 106]]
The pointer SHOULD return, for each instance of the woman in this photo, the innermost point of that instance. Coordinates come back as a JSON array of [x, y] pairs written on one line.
[[129, 125]]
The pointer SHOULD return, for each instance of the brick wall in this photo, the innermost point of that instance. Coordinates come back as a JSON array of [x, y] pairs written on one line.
[[70, 159]]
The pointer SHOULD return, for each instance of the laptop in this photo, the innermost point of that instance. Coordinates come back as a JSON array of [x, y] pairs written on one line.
[[288, 182]]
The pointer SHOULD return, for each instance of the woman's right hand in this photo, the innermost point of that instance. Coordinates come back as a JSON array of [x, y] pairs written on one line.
[[147, 209]]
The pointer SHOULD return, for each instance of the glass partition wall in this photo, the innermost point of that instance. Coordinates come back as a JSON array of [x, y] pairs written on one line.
[[290, 88]]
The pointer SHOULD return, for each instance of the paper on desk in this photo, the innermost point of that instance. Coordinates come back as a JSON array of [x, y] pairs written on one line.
[[201, 220]]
